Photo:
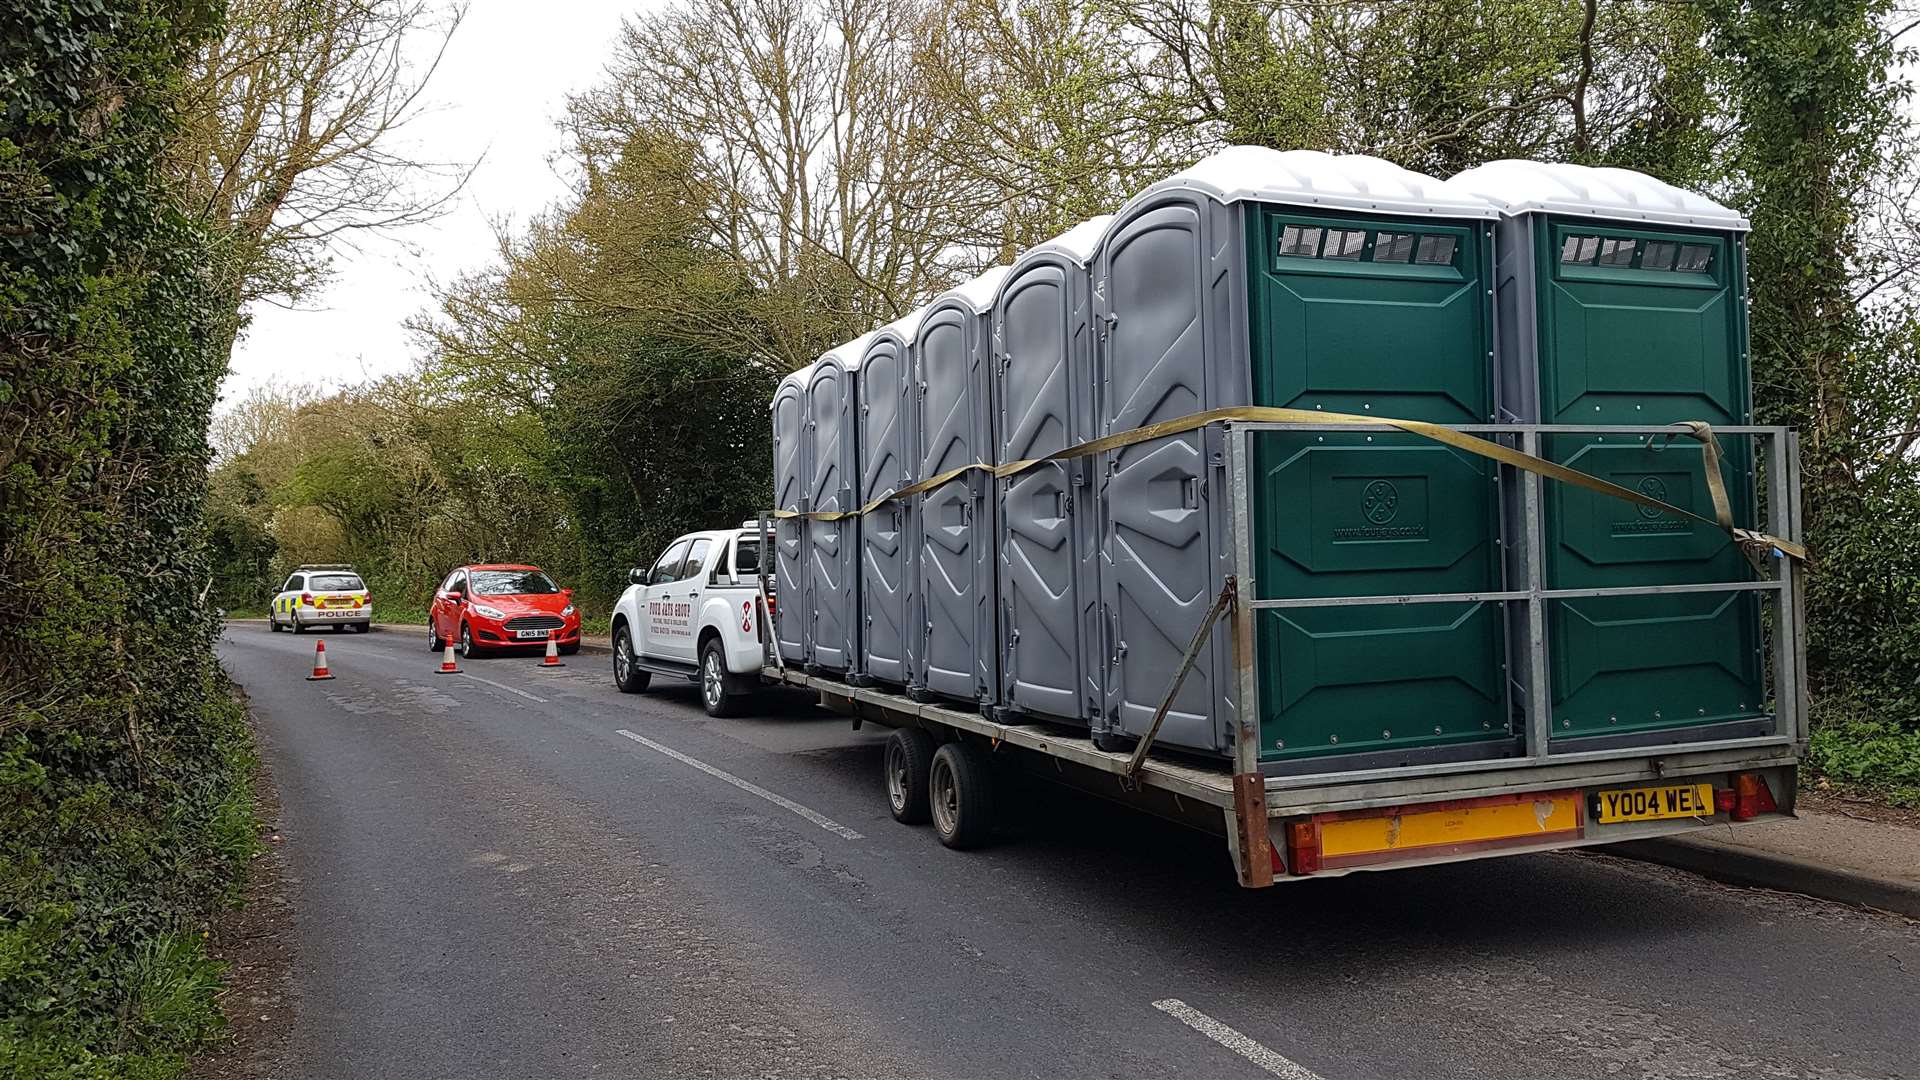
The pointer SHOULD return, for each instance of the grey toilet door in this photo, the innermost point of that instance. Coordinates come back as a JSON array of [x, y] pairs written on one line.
[[830, 544], [883, 552], [949, 587], [1156, 573], [790, 493], [1038, 550]]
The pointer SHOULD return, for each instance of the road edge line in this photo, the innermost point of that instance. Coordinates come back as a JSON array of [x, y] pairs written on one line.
[[748, 786], [1235, 1040], [503, 686]]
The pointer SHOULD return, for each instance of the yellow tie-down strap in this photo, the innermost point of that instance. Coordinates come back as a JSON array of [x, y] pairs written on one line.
[[1756, 545]]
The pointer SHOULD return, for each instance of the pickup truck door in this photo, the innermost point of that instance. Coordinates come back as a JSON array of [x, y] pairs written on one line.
[[683, 602], [658, 623]]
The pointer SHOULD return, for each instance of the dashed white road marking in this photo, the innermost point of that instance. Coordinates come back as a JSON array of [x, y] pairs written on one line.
[[781, 801], [508, 689], [1234, 1040]]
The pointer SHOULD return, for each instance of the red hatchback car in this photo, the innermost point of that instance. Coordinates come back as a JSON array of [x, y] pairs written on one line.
[[500, 606]]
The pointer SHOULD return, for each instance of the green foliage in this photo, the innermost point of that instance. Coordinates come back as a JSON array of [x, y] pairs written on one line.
[[1820, 127], [1862, 748], [566, 419], [124, 762]]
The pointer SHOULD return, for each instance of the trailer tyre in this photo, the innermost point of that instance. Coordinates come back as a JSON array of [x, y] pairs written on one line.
[[960, 788], [909, 768]]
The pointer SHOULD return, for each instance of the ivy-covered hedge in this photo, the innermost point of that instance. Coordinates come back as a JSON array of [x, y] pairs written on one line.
[[125, 814]]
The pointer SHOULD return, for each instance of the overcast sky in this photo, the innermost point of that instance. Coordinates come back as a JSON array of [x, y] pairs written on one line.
[[503, 83]]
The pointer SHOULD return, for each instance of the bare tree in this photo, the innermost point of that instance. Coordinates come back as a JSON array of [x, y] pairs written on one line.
[[293, 136], [1036, 127], [801, 124]]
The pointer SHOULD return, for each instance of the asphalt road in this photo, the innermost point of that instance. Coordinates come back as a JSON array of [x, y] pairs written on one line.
[[523, 873]]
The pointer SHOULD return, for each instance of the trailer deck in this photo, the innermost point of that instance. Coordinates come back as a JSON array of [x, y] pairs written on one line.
[[1435, 812]]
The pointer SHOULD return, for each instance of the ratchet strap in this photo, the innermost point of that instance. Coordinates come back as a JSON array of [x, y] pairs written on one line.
[[1757, 546]]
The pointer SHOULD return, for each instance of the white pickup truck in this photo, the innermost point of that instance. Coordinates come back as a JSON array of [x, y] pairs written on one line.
[[692, 616]]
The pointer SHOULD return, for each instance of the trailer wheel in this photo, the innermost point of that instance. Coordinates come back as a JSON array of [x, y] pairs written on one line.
[[960, 787], [909, 764]]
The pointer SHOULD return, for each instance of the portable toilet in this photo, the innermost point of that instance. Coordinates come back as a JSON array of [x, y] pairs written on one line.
[[952, 642], [791, 627], [1622, 300], [832, 546], [887, 570], [1319, 282], [1043, 395]]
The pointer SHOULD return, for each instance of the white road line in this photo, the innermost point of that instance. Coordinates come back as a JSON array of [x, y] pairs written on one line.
[[1234, 1040], [508, 689], [819, 819]]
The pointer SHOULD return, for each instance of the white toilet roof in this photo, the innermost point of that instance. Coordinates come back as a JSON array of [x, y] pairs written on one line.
[[904, 326], [977, 293], [1524, 187], [848, 354], [1077, 243], [1313, 178]]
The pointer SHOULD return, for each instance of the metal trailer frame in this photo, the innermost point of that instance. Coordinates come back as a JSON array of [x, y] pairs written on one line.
[[1235, 798]]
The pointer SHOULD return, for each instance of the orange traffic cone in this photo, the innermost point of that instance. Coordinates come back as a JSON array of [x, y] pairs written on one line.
[[552, 659], [447, 665], [320, 662]]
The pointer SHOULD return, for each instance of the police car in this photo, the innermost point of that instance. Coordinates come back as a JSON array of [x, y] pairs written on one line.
[[325, 594]]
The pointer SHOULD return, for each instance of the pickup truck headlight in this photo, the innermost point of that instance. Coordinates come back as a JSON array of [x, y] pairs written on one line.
[[491, 613], [566, 611]]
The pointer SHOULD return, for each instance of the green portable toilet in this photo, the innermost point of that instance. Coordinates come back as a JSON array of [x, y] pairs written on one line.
[[1340, 283], [1622, 300]]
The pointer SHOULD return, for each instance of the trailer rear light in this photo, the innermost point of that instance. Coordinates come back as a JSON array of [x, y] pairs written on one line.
[[1723, 800], [306, 599], [1303, 847], [1751, 797]]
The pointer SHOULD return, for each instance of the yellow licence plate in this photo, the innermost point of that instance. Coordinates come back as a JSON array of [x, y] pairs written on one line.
[[1653, 803]]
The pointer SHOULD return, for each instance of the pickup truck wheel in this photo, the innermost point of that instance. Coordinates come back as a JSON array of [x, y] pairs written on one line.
[[717, 691], [960, 788], [909, 763], [627, 674]]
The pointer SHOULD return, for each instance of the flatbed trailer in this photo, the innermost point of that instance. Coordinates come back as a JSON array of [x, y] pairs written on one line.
[[1282, 825], [1274, 836]]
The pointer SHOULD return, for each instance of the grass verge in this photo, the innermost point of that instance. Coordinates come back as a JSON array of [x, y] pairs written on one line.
[[107, 894], [1866, 750]]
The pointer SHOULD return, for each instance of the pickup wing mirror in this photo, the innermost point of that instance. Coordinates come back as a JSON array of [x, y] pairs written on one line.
[[637, 576]]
